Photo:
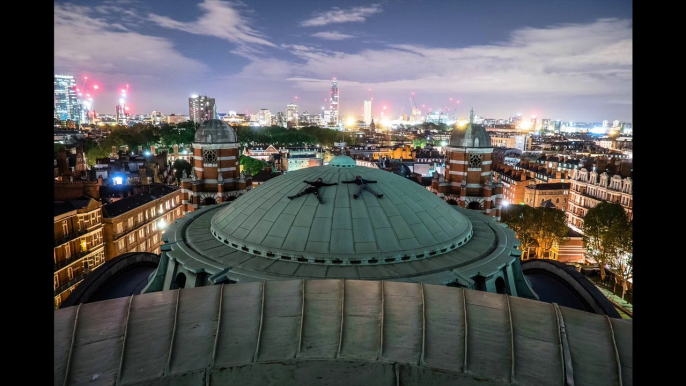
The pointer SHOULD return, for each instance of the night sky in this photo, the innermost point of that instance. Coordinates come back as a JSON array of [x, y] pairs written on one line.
[[568, 60]]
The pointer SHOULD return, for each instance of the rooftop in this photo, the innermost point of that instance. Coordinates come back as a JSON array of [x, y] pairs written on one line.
[[550, 186], [126, 204], [337, 332], [407, 221]]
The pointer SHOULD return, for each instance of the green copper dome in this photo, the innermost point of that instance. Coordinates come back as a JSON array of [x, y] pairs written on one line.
[[408, 222], [342, 161]]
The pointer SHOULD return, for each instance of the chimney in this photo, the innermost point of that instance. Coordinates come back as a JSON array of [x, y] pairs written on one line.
[[62, 163], [601, 164], [625, 169], [143, 176]]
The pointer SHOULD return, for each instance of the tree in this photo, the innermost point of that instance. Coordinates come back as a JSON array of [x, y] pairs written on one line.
[[419, 142], [605, 229], [522, 220], [550, 229], [179, 166], [252, 165], [623, 263]]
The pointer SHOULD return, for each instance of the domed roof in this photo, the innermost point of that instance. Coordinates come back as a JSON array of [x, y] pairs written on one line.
[[342, 161], [471, 136], [215, 131], [408, 222]]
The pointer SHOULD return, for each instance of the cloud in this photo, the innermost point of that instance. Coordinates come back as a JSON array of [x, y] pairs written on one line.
[[112, 55], [126, 51], [593, 58], [220, 20], [590, 63], [332, 35], [337, 15]]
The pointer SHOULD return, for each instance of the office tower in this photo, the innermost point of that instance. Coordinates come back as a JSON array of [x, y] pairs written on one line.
[[292, 113], [67, 104], [367, 111], [201, 108], [334, 102], [264, 117]]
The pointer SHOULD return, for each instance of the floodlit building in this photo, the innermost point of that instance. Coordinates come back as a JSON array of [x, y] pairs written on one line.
[[367, 112], [201, 108], [599, 182], [79, 244], [334, 103], [67, 104]]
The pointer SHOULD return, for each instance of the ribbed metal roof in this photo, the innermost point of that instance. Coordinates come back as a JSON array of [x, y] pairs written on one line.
[[409, 221], [215, 131], [337, 332]]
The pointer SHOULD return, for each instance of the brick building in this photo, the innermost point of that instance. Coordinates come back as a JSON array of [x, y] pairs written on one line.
[[136, 223], [215, 177], [78, 244], [468, 177], [260, 153], [571, 252], [514, 182], [557, 192], [605, 182]]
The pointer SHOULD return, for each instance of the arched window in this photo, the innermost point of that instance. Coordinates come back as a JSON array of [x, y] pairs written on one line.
[[181, 280], [500, 286]]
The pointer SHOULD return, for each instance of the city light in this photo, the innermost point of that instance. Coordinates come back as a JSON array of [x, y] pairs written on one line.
[[350, 121], [161, 224]]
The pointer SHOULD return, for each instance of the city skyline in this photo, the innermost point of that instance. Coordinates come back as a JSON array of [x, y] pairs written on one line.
[[564, 60]]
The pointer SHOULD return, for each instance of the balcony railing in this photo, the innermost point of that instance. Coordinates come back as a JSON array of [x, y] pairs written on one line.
[[76, 256], [63, 287], [69, 237]]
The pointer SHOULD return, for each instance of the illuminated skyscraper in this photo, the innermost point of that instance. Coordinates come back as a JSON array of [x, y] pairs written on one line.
[[334, 102], [292, 113], [367, 111], [201, 108], [67, 105], [264, 117]]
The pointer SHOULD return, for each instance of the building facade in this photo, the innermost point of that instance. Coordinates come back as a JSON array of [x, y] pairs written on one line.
[[514, 183], [201, 108], [215, 177], [367, 112], [557, 193], [334, 106], [600, 184], [67, 105], [136, 223], [260, 153], [78, 246]]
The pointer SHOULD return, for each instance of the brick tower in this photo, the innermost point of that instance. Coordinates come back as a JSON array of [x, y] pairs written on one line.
[[468, 180], [215, 177]]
